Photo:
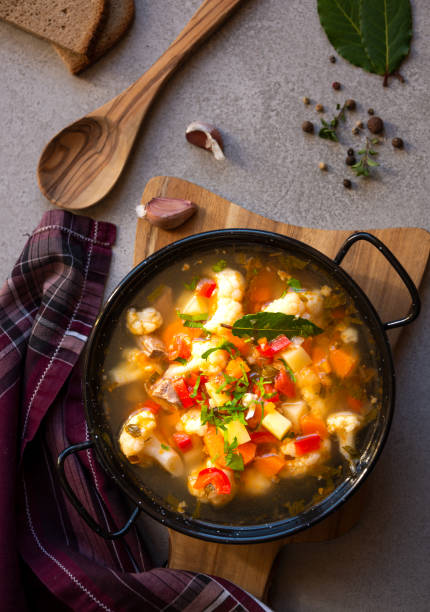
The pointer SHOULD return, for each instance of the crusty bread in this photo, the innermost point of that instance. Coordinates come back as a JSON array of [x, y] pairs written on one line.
[[73, 24], [120, 14]]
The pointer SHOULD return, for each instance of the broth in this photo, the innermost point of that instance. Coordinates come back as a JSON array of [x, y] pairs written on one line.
[[270, 426]]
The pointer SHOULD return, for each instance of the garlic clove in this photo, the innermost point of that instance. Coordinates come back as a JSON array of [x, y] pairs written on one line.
[[167, 213], [207, 137]]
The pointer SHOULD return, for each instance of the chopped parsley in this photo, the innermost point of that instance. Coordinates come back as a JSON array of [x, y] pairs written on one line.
[[224, 346], [219, 266], [181, 360], [165, 446], [196, 387], [194, 320], [294, 283], [192, 284], [233, 460]]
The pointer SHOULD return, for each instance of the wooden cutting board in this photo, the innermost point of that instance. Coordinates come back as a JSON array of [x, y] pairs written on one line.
[[249, 566]]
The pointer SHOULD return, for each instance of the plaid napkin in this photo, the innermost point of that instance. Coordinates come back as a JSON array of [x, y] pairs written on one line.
[[49, 558]]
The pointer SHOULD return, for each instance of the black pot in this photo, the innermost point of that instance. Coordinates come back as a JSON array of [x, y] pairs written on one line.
[[101, 438]]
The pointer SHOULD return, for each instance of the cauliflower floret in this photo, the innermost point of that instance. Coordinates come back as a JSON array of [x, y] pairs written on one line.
[[209, 494], [314, 303], [325, 290], [214, 364], [290, 304], [143, 321], [345, 425], [350, 334], [135, 433], [305, 464], [165, 456], [191, 423], [228, 311], [231, 284]]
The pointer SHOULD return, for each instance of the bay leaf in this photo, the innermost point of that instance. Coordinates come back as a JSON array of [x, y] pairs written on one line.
[[341, 22], [386, 28], [270, 325]]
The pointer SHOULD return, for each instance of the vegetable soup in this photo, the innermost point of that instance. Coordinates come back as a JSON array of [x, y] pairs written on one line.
[[241, 386]]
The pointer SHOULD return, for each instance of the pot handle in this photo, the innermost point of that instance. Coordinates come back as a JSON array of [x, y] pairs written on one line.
[[392, 259], [107, 535]]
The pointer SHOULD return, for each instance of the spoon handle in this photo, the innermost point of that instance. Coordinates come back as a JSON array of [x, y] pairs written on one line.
[[131, 105]]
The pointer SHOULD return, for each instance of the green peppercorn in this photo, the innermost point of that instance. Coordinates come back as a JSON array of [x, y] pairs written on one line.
[[308, 127], [350, 104], [397, 143], [350, 160], [350, 151], [347, 183]]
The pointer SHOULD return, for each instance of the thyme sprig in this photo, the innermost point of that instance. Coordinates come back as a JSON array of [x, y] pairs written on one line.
[[328, 130], [362, 167]]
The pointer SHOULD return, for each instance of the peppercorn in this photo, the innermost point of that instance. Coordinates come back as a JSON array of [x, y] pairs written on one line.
[[350, 151], [322, 166], [375, 125], [350, 160], [308, 127], [347, 183], [355, 131], [336, 85], [350, 104], [319, 108], [359, 125], [370, 111], [397, 143], [332, 59], [306, 100]]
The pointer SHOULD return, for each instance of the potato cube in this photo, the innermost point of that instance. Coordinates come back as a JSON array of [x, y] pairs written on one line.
[[217, 399], [196, 305], [294, 411], [236, 429], [297, 358], [277, 424]]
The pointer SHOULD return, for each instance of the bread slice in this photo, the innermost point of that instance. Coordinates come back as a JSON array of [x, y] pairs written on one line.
[[120, 15], [70, 23]]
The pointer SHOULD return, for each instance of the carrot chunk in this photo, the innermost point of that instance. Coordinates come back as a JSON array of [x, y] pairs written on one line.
[[311, 424], [214, 444], [247, 451], [343, 363], [269, 465]]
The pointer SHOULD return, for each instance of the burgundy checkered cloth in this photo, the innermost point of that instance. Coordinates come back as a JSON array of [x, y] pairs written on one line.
[[49, 558]]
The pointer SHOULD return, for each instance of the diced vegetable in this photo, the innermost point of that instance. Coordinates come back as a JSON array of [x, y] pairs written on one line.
[[263, 437], [236, 429], [247, 451], [206, 287], [236, 367], [343, 363], [354, 404], [197, 305], [149, 405], [218, 398], [183, 393], [284, 384], [269, 465], [214, 444], [311, 424], [277, 424], [275, 346], [294, 411], [214, 477], [180, 347], [269, 392], [183, 441], [307, 444], [296, 358]]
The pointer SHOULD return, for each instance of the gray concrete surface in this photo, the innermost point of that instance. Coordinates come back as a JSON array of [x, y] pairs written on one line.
[[249, 80]]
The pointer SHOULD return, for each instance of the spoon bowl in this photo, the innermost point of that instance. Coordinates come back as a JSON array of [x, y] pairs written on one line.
[[82, 163]]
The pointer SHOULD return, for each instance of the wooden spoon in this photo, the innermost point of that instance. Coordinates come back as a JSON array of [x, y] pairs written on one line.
[[82, 163]]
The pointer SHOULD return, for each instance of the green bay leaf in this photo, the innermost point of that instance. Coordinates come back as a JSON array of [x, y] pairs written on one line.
[[386, 27], [272, 324], [341, 22]]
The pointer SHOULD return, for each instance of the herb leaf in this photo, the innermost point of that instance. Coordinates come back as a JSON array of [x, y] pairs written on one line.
[[224, 346], [219, 266], [271, 324], [192, 284], [294, 283], [193, 320], [181, 360]]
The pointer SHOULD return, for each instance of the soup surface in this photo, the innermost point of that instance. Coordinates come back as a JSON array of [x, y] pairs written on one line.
[[241, 385]]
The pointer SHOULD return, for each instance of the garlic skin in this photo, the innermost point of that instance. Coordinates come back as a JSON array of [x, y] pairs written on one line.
[[205, 136], [166, 213]]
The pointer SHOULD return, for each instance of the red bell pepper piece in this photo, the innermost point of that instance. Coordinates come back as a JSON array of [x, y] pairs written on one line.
[[215, 477], [275, 346], [179, 347], [307, 444], [269, 392], [284, 384], [183, 393], [150, 405], [206, 287], [263, 437], [183, 441]]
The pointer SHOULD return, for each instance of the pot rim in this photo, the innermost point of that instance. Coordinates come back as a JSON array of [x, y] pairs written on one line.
[[244, 534]]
